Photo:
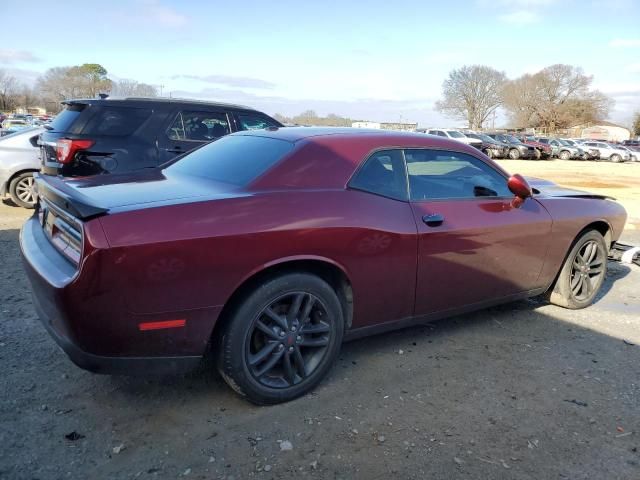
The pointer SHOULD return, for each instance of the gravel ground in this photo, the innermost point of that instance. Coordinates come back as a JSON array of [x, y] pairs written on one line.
[[522, 391]]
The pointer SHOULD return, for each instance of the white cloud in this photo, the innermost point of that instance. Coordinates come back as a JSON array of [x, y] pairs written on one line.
[[625, 42], [10, 55], [150, 13], [521, 17]]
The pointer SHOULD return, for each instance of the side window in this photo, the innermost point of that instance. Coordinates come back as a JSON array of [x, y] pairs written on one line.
[[383, 174], [441, 133], [435, 174], [116, 121], [254, 121], [199, 126]]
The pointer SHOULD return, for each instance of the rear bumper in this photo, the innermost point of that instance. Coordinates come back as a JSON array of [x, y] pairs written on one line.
[[115, 365], [50, 276]]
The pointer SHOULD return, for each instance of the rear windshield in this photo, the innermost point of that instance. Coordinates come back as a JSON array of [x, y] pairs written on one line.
[[115, 121], [103, 120], [63, 121], [233, 159]]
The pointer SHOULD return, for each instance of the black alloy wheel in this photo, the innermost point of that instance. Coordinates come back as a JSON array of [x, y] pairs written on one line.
[[288, 340], [282, 338], [587, 270], [583, 272]]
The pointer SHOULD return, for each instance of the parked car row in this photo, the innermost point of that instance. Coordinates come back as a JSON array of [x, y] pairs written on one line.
[[531, 147]]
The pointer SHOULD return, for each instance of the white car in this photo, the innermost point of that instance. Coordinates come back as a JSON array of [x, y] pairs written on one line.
[[609, 152], [455, 135]]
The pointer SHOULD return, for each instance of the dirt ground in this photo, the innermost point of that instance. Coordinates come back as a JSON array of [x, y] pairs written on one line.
[[522, 391], [621, 181]]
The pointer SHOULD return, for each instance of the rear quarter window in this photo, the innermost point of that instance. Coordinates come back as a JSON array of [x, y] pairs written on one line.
[[237, 160]]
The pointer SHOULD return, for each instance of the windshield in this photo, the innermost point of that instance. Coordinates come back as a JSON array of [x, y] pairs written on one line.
[[564, 142], [512, 139], [484, 138], [234, 159], [454, 134]]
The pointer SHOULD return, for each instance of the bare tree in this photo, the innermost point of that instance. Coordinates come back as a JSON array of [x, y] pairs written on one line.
[[132, 88], [558, 96], [635, 128], [9, 90], [472, 93]]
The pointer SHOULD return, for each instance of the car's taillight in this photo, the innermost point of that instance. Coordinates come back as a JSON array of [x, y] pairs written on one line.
[[63, 230], [66, 148]]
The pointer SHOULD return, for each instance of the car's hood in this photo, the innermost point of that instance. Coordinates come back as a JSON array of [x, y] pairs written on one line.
[[550, 189], [90, 196]]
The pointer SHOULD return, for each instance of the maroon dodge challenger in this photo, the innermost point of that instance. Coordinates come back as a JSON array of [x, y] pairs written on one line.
[[269, 248]]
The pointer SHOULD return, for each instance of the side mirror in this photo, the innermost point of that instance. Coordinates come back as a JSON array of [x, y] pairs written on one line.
[[520, 188]]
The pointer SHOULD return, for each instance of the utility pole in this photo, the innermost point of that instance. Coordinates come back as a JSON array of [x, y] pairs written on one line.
[[161, 87]]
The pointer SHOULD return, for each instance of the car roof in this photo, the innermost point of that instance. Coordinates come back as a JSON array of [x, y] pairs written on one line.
[[295, 134], [156, 100], [327, 157]]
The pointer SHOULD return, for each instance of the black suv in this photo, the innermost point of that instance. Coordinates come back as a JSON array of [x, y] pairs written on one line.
[[106, 135], [517, 149]]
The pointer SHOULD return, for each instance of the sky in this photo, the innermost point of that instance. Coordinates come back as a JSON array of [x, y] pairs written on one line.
[[374, 60]]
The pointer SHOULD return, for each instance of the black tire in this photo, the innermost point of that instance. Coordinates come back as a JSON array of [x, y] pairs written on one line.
[[254, 339], [538, 154], [564, 155], [21, 190], [514, 154], [580, 278], [489, 153]]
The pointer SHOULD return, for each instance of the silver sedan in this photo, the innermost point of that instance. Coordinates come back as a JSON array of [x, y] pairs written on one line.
[[18, 162]]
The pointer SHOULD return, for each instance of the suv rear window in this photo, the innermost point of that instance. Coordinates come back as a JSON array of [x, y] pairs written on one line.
[[233, 159], [116, 121], [63, 121]]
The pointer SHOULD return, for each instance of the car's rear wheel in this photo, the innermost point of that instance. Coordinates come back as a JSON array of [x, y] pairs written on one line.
[[538, 154], [489, 153], [582, 273], [282, 339], [615, 158], [514, 154], [564, 155], [21, 190]]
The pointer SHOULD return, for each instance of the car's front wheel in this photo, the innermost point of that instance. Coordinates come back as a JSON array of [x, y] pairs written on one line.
[[615, 158], [564, 155], [21, 190], [282, 339], [582, 273], [514, 154]]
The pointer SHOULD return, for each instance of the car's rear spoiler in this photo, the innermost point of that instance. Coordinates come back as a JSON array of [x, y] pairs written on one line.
[[55, 190]]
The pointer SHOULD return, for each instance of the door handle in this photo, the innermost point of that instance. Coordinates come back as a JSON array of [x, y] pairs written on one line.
[[176, 149], [433, 220]]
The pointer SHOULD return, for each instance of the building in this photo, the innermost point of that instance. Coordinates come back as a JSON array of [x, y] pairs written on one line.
[[601, 131], [404, 127]]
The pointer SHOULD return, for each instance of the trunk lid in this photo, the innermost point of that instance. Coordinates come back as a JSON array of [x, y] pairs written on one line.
[[89, 197]]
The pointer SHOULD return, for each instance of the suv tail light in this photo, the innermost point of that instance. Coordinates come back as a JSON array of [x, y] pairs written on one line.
[[66, 148]]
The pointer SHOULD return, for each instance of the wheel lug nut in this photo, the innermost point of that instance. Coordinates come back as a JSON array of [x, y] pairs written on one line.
[[291, 349], [293, 329], [282, 334], [298, 338]]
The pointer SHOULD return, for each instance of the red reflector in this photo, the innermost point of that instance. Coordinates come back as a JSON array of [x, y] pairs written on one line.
[[163, 324], [66, 148]]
